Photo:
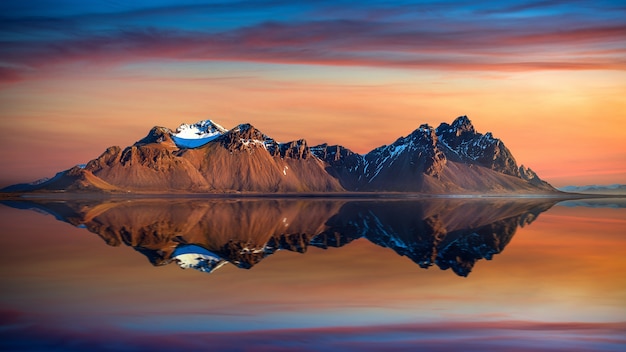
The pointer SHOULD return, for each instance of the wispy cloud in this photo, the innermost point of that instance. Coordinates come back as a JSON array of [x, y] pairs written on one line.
[[339, 43], [441, 35]]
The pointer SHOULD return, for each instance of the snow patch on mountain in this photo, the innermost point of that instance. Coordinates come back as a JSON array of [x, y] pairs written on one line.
[[257, 142], [197, 134]]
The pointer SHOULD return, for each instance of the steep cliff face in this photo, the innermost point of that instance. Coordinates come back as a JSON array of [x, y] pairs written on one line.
[[449, 159], [404, 164], [532, 178], [476, 148], [341, 163], [395, 167], [205, 157], [295, 150]]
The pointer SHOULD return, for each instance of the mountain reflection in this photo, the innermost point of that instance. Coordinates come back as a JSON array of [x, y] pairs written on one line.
[[206, 234]]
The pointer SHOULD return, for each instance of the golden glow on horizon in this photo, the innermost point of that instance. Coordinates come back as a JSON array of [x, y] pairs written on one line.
[[567, 126]]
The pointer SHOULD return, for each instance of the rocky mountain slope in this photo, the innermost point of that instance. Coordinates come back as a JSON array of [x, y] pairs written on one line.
[[205, 157], [447, 159]]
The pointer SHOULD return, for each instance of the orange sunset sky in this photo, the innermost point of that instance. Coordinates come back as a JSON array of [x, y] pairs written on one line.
[[548, 78]]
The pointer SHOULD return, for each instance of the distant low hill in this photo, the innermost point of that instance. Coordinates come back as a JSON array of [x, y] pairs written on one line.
[[206, 158], [596, 189]]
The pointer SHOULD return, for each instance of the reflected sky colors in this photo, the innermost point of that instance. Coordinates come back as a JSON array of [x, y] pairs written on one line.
[[547, 77], [558, 284]]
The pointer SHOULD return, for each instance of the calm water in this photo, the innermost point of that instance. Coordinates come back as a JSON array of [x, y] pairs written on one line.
[[313, 275]]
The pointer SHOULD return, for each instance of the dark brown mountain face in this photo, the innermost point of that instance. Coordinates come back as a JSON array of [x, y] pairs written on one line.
[[205, 157]]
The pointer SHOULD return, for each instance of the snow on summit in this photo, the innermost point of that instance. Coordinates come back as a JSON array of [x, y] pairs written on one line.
[[197, 134]]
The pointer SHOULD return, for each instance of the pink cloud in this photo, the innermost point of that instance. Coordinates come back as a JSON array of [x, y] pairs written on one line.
[[341, 43]]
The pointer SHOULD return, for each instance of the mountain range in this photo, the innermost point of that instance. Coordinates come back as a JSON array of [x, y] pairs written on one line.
[[206, 158]]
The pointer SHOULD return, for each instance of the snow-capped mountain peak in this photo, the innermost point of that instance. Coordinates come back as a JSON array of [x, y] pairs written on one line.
[[462, 124], [197, 134], [200, 129]]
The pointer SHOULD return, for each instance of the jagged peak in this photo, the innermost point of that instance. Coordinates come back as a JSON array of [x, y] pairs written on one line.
[[246, 130], [157, 134], [333, 153], [488, 138], [527, 173], [427, 130], [531, 177], [244, 136], [424, 133], [463, 123], [243, 127], [460, 126], [424, 126]]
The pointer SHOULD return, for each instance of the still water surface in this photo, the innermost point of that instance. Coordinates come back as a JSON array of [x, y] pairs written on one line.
[[295, 274]]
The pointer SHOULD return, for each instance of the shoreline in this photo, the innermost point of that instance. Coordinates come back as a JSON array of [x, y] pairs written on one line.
[[301, 195]]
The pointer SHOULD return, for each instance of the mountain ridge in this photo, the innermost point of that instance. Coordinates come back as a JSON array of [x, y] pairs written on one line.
[[207, 158], [612, 189]]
